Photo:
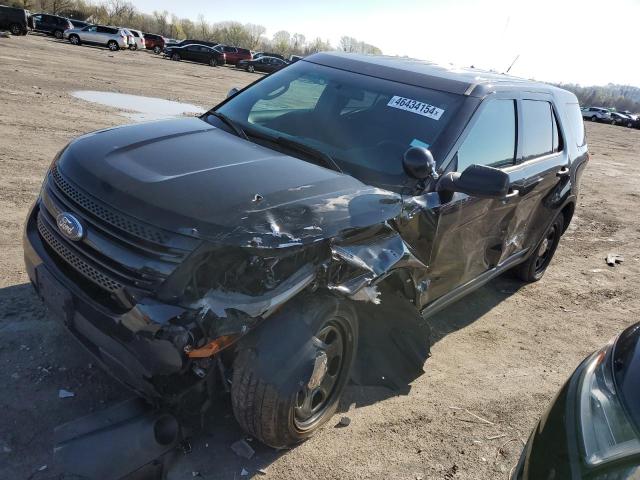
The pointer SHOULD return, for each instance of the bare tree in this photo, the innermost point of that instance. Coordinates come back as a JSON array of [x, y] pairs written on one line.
[[282, 42], [203, 27], [254, 34]]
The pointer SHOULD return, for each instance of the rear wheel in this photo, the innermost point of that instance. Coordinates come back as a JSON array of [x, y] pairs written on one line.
[[15, 29], [282, 418], [113, 45], [74, 39], [213, 62], [58, 34], [251, 68], [175, 57], [594, 118], [534, 267], [133, 47], [157, 50]]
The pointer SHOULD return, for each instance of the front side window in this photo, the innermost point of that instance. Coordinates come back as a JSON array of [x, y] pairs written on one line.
[[492, 139], [364, 123]]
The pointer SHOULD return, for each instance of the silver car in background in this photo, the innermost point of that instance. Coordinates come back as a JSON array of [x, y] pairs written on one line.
[[113, 38], [138, 39]]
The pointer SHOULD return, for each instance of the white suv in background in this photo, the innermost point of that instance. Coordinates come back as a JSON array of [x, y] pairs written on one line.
[[112, 37], [138, 38], [596, 114]]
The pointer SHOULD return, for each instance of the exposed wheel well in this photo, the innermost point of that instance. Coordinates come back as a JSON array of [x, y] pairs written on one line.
[[567, 212]]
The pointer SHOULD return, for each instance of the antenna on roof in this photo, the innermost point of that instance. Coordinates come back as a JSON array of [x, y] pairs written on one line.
[[512, 63]]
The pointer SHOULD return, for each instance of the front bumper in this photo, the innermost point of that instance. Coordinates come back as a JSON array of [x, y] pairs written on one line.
[[126, 343]]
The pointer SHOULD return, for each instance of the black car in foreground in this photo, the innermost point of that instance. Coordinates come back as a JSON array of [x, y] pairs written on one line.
[[262, 64], [301, 231], [196, 53], [592, 428], [17, 20]]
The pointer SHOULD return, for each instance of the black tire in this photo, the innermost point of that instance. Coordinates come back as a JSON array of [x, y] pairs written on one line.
[[15, 29], [74, 39], [157, 50], [58, 34], [213, 62], [133, 47], [113, 45], [283, 420], [534, 267], [175, 57], [251, 68], [629, 125], [594, 118]]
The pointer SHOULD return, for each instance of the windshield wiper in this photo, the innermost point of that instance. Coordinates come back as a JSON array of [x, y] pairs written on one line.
[[307, 150], [239, 131]]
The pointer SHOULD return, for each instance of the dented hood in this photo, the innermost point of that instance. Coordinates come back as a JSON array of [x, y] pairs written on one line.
[[190, 177]]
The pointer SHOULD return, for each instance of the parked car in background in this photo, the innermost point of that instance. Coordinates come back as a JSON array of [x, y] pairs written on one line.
[[196, 53], [235, 54], [131, 43], [79, 23], [17, 20], [113, 38], [618, 118], [139, 40], [633, 117], [596, 114], [170, 42], [191, 41], [154, 42], [295, 58], [591, 430], [51, 24], [257, 55], [262, 64]]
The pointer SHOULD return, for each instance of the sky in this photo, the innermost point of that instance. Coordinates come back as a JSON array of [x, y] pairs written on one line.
[[573, 41]]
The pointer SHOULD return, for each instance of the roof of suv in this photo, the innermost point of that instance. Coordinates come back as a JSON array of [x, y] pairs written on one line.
[[421, 73]]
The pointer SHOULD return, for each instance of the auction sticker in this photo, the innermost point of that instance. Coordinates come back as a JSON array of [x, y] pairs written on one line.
[[416, 106]]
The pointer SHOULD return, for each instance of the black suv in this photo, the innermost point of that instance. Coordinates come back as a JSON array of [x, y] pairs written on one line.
[[52, 24], [16, 20], [322, 211], [196, 53]]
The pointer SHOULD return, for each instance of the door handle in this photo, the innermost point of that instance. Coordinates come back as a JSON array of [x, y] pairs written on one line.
[[512, 194], [563, 172]]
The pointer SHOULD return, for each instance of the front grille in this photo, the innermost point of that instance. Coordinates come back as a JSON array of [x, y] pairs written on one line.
[[76, 261], [106, 214], [117, 251]]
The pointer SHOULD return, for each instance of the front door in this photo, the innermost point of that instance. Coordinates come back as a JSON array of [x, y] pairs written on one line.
[[473, 234]]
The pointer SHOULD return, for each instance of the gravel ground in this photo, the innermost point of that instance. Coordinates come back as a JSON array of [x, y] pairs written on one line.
[[500, 353]]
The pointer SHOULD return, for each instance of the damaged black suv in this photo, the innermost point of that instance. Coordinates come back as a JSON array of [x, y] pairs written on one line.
[[257, 248]]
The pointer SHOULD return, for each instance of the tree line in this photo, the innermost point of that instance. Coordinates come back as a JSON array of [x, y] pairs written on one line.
[[620, 97], [246, 35]]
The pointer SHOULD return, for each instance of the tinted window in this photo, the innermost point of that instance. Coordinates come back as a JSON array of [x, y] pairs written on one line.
[[135, 34], [537, 128], [492, 139]]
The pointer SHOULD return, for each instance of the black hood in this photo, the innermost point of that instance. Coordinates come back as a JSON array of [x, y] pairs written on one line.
[[185, 174]]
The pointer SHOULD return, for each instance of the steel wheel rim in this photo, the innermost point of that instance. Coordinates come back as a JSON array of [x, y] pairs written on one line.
[[311, 404], [545, 250]]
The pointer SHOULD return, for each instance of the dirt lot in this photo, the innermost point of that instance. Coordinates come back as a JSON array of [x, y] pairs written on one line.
[[500, 353]]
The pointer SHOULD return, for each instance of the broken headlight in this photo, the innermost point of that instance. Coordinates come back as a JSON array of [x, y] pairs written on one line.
[[607, 432], [247, 271]]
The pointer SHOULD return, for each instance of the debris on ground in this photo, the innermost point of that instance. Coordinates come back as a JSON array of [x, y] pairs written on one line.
[[344, 422], [614, 258], [62, 393], [242, 449]]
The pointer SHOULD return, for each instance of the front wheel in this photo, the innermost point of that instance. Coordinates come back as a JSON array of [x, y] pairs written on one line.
[[58, 34], [74, 39], [133, 47], [594, 118], [534, 267], [157, 50], [285, 407], [15, 29], [213, 62], [113, 45], [251, 68], [175, 57]]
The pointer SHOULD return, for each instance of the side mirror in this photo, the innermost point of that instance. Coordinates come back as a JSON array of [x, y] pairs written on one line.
[[477, 181], [232, 92], [418, 163]]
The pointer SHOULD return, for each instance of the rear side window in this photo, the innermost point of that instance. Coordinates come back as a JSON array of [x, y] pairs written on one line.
[[576, 123], [492, 139], [135, 34], [538, 128]]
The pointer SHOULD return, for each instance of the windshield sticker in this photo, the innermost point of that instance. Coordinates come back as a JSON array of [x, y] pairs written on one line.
[[416, 106], [418, 143]]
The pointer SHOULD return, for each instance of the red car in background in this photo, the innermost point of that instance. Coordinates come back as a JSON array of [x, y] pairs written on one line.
[[154, 42], [235, 54]]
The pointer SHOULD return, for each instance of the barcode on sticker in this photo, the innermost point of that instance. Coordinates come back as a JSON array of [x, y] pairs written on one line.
[[416, 106]]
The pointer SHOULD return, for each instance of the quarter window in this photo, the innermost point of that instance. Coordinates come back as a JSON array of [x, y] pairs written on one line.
[[492, 139]]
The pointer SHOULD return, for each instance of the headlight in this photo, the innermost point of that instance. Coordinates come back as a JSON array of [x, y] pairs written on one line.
[[607, 432]]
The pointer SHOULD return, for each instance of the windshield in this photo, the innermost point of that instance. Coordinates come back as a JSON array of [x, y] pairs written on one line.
[[365, 124]]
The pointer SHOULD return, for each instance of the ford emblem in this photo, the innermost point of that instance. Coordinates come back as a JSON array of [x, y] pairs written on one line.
[[70, 226]]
